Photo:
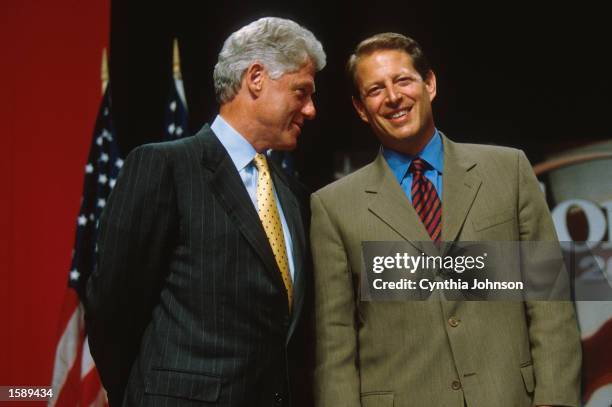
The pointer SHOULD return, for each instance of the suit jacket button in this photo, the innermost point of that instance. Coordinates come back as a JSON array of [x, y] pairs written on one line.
[[456, 385], [454, 322], [278, 399]]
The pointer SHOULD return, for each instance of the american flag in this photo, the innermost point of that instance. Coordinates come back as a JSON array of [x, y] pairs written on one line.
[[176, 120], [75, 378]]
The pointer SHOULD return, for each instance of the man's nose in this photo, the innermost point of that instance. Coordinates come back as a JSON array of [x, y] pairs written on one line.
[[309, 110], [392, 95]]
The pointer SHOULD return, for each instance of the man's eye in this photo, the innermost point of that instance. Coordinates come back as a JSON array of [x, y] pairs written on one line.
[[405, 81], [374, 92]]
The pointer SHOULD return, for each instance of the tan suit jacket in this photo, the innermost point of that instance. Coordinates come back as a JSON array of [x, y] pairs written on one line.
[[437, 353]]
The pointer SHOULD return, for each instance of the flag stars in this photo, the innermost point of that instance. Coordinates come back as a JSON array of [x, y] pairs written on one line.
[[112, 183], [119, 163], [99, 169], [173, 106], [171, 128], [82, 220]]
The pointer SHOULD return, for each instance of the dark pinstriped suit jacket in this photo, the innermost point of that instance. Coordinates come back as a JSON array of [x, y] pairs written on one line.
[[187, 306]]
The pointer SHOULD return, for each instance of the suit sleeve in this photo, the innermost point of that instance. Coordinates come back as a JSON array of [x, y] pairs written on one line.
[[553, 330], [135, 233], [336, 378]]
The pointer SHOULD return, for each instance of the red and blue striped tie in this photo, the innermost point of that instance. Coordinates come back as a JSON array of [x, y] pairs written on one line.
[[425, 200]]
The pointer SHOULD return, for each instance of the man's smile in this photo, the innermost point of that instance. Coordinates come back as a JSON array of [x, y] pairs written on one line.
[[399, 115]]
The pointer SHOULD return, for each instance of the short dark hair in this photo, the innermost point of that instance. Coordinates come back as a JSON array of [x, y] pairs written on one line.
[[386, 41]]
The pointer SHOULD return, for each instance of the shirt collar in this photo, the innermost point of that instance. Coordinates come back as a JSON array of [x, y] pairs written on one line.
[[239, 149], [433, 153]]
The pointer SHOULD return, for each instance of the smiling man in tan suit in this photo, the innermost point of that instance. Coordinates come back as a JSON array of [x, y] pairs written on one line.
[[422, 186]]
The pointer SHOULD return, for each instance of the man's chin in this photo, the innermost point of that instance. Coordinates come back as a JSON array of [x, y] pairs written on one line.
[[289, 148], [403, 143], [289, 143], [285, 147]]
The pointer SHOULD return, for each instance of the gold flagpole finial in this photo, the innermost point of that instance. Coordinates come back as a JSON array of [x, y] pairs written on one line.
[[176, 61], [104, 70]]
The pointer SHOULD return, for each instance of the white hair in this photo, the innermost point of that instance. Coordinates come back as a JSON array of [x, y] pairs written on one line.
[[280, 45]]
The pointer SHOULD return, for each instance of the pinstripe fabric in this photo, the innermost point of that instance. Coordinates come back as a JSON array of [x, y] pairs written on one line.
[[187, 305]]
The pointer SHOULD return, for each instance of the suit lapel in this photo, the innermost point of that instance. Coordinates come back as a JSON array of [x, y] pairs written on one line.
[[460, 187], [291, 210], [392, 206], [227, 185]]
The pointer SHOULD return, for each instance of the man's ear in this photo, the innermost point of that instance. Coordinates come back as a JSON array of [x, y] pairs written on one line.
[[358, 105], [430, 85], [254, 78]]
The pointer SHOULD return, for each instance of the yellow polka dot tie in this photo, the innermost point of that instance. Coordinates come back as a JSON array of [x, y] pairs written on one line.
[[268, 213]]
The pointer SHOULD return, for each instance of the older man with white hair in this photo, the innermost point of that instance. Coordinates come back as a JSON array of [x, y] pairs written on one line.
[[201, 275]]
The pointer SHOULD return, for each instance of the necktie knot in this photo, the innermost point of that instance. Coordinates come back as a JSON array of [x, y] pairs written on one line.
[[260, 162], [417, 166]]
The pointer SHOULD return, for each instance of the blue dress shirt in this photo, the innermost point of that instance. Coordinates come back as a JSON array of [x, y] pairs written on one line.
[[433, 154], [242, 154]]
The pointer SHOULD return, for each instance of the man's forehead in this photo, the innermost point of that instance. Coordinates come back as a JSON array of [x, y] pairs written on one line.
[[382, 62]]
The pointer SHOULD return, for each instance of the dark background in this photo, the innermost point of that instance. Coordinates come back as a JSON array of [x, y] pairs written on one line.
[[509, 73]]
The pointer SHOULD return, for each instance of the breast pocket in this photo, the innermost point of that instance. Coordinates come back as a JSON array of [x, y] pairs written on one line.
[[377, 399], [528, 377], [489, 221], [188, 385]]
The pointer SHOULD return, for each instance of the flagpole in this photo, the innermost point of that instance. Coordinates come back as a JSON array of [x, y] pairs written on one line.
[[176, 60], [176, 71], [104, 71]]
